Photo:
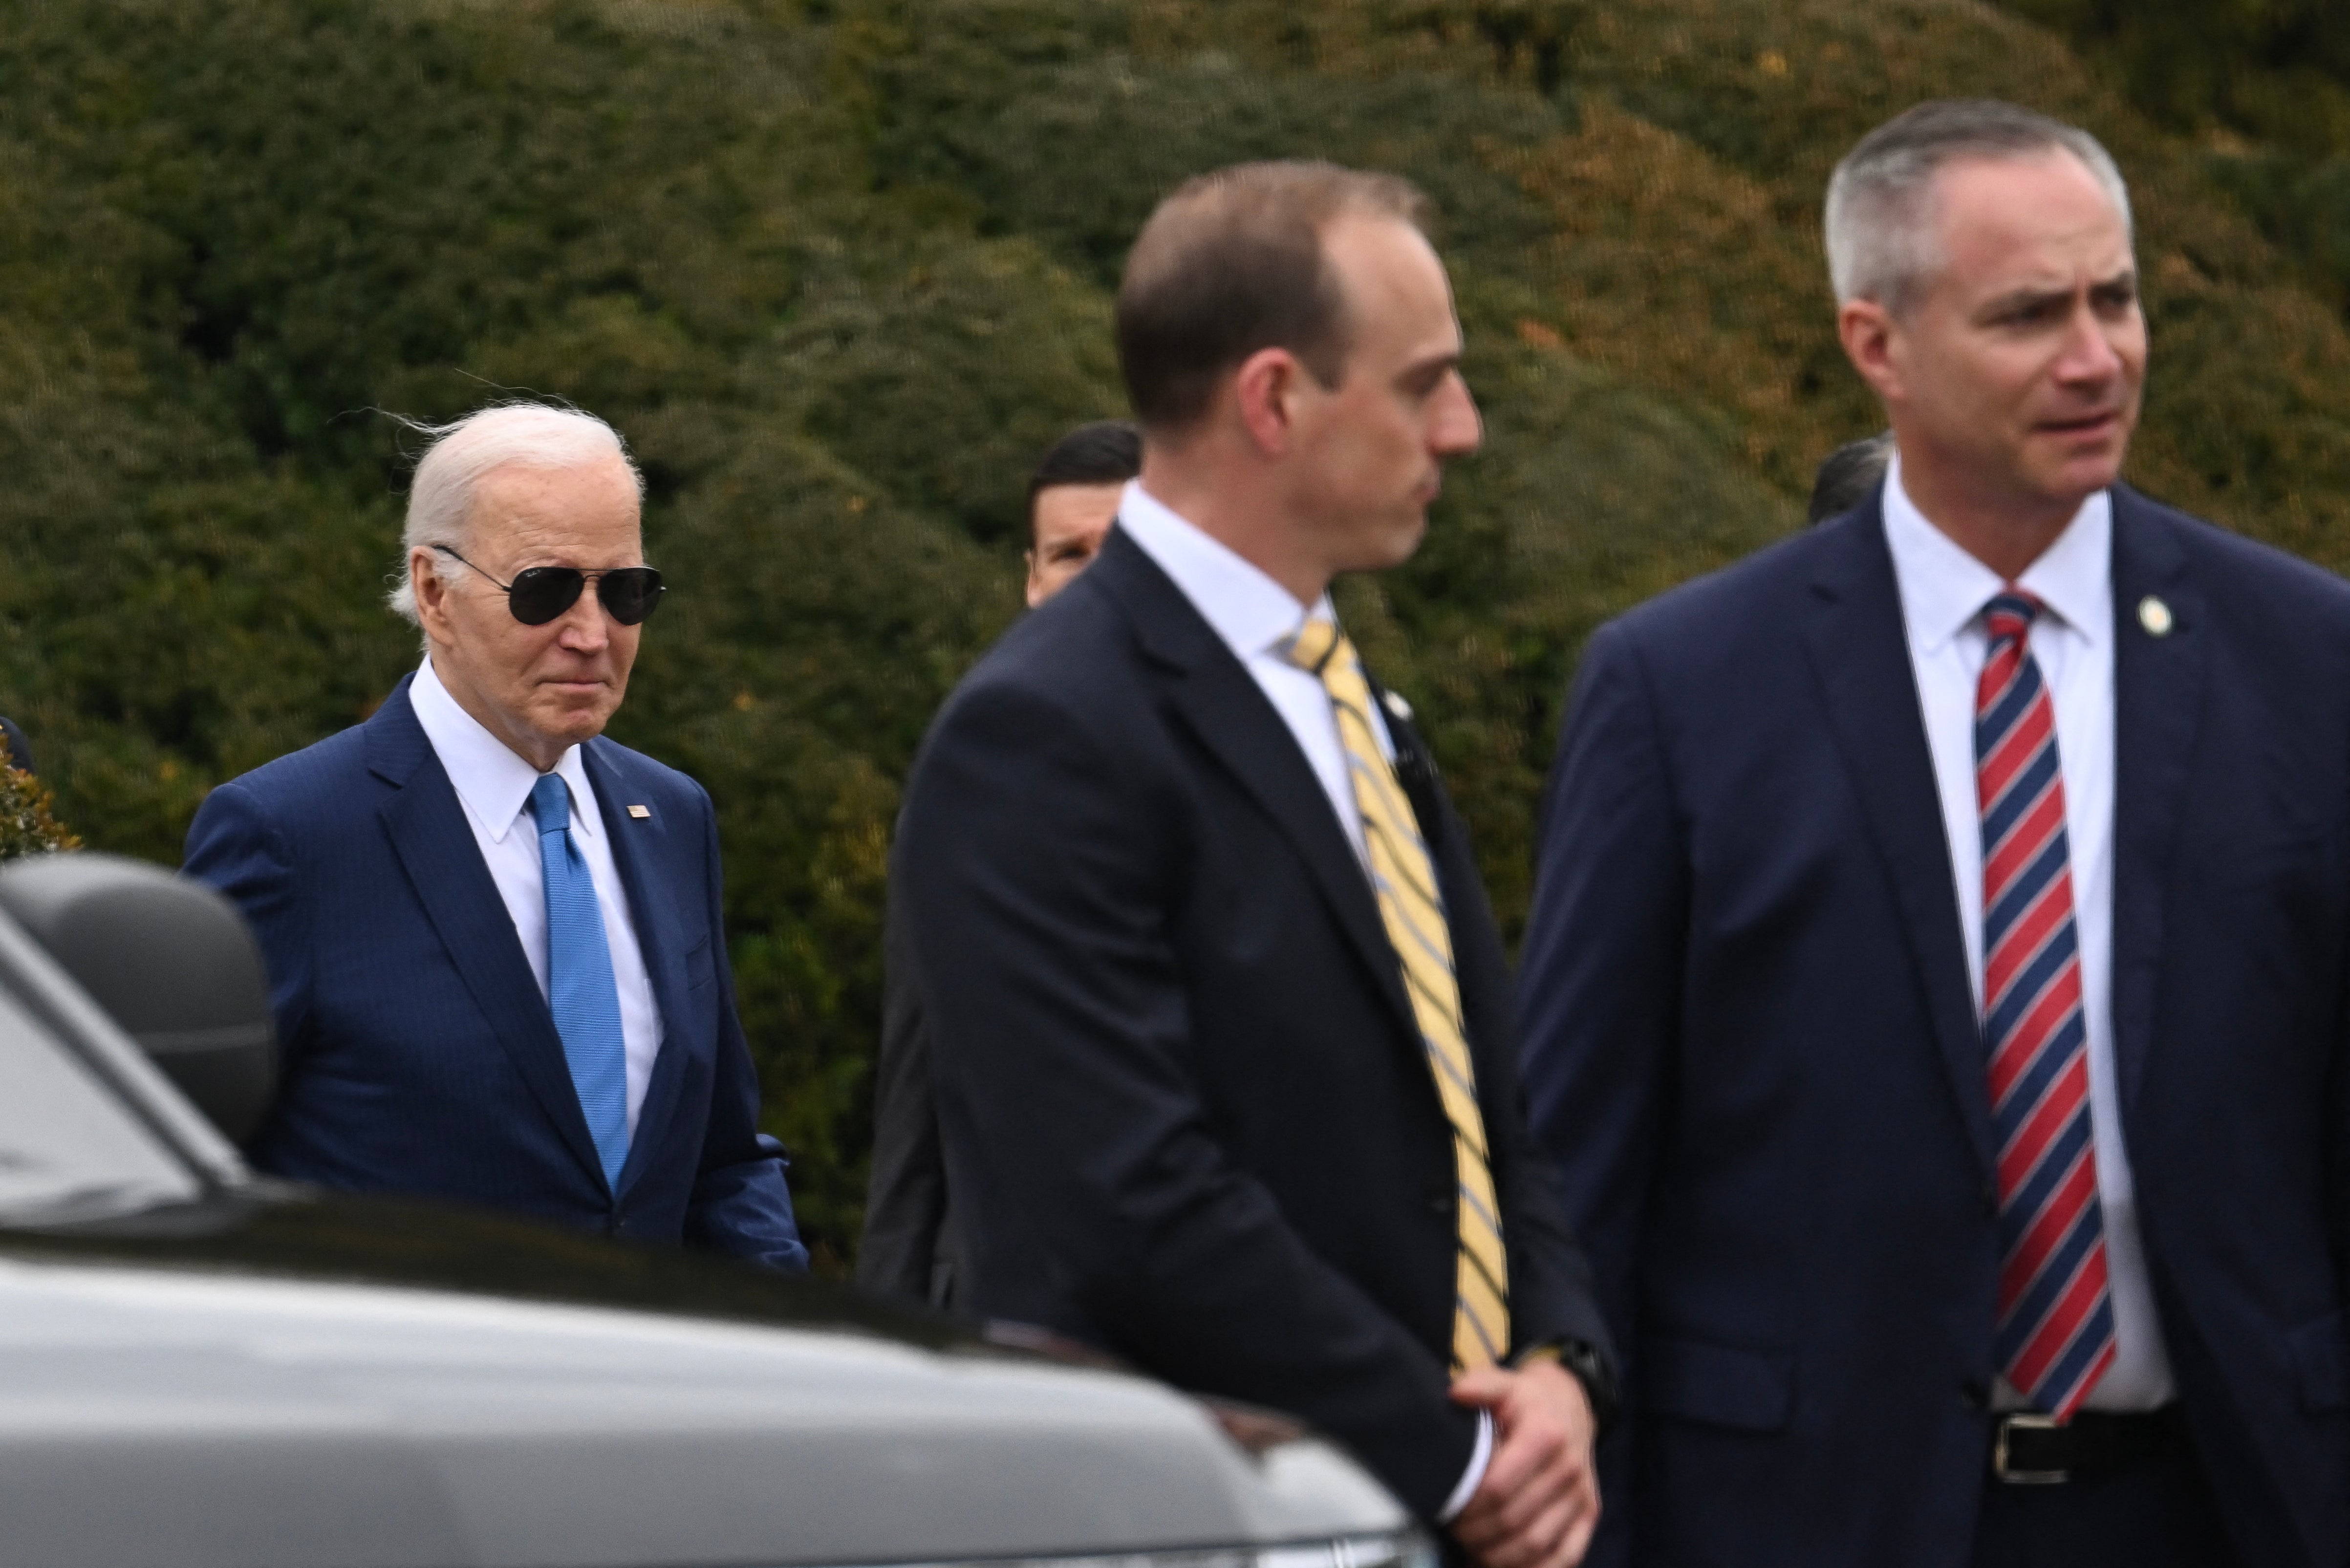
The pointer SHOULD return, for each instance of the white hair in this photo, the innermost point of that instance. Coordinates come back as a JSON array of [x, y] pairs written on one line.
[[1882, 239], [504, 435]]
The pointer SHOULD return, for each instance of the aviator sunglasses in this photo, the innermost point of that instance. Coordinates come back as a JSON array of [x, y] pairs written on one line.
[[539, 594]]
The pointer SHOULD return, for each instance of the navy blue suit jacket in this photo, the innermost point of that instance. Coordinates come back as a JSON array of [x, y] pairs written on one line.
[[1750, 1044], [420, 1057]]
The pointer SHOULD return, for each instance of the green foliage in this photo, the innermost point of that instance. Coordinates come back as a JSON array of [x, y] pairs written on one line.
[[839, 272], [2264, 86]]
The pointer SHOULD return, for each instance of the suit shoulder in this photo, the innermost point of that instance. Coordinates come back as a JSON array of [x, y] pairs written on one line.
[[1720, 613], [1075, 654], [317, 781], [2228, 561]]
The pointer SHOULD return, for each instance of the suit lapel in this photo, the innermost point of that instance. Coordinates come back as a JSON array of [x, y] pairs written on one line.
[[435, 843], [2157, 700], [1859, 652], [657, 922], [1224, 707]]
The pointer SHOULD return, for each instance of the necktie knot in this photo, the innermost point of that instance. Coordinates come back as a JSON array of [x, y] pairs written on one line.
[[2009, 614], [550, 803], [1316, 642]]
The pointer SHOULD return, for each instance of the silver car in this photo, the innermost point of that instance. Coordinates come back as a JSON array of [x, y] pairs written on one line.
[[199, 1367]]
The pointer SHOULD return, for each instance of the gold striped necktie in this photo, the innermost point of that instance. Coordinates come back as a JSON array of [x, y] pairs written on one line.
[[1413, 911]]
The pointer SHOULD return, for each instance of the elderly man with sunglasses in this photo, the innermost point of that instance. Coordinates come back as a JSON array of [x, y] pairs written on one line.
[[495, 938]]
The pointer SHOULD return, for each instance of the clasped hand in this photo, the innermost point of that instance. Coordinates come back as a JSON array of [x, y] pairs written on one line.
[[1539, 1500]]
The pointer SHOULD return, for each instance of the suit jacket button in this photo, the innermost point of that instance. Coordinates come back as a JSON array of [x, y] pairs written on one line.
[[1974, 1394], [1442, 1206]]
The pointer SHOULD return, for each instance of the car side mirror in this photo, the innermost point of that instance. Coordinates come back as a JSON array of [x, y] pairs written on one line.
[[170, 961]]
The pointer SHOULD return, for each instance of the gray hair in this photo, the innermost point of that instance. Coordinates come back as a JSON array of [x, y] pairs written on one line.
[[462, 454], [1881, 241]]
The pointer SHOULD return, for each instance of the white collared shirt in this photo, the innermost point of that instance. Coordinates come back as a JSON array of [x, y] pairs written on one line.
[[1256, 618], [493, 784], [1943, 591]]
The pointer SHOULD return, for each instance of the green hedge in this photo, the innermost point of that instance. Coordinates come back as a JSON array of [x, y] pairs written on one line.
[[839, 271]]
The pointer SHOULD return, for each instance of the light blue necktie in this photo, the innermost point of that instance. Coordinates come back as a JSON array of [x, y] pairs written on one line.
[[579, 986]]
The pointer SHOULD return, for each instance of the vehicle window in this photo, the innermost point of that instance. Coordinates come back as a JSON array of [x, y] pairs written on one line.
[[69, 1150]]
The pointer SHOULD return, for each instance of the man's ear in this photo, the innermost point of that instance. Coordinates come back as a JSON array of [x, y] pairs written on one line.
[[1264, 389], [1869, 331], [431, 593]]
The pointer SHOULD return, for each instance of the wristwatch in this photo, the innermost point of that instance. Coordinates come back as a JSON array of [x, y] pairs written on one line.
[[1592, 1367]]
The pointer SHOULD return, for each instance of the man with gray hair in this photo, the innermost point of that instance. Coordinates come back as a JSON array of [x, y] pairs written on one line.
[[1937, 984], [495, 940]]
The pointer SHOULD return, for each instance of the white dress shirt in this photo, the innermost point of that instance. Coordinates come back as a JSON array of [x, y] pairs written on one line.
[[1943, 591], [1256, 618], [493, 784]]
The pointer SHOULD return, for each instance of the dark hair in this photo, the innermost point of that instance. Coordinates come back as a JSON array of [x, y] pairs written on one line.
[[1106, 452], [1233, 263], [1850, 472]]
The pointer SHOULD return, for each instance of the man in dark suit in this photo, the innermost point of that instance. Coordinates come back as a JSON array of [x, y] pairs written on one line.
[[1935, 991], [495, 938], [1219, 1013], [911, 1246]]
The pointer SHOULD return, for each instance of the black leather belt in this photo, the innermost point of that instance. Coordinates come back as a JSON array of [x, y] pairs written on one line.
[[2029, 1449]]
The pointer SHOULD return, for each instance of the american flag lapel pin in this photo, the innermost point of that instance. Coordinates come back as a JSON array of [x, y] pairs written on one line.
[[641, 812]]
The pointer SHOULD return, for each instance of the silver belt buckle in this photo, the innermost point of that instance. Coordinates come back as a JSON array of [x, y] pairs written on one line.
[[2030, 1421]]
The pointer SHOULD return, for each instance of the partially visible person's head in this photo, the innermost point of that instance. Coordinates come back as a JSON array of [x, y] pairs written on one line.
[[507, 491], [1986, 287], [1295, 317], [1848, 474], [1073, 499]]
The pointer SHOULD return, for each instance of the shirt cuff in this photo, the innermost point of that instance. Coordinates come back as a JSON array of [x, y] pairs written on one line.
[[1474, 1476]]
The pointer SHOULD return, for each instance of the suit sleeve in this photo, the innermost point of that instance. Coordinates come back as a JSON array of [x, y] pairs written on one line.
[[906, 1203], [1037, 867], [234, 847], [1598, 987], [740, 1204]]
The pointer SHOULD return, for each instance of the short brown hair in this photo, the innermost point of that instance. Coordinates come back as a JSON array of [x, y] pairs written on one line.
[[1233, 263]]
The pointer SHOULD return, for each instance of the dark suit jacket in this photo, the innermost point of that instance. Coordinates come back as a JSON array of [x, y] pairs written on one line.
[[1751, 1041], [912, 1247], [420, 1056], [1187, 1115]]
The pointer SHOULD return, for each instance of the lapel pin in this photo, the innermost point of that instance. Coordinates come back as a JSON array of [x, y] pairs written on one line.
[[2155, 615], [641, 812], [1398, 707]]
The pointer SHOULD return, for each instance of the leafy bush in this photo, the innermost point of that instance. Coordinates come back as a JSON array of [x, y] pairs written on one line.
[[839, 270]]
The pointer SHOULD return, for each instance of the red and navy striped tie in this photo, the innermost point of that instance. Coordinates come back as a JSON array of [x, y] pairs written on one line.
[[2055, 1311]]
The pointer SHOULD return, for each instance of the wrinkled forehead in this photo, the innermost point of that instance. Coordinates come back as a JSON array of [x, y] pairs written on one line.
[[2047, 203], [1993, 228], [526, 502]]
